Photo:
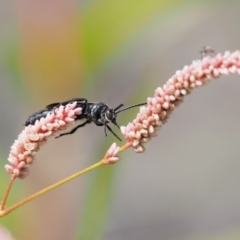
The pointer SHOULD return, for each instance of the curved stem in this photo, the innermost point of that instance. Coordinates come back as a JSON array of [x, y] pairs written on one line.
[[47, 189], [7, 193], [4, 212], [125, 146]]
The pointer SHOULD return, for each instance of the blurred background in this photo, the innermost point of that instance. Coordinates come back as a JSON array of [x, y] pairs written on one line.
[[186, 185]]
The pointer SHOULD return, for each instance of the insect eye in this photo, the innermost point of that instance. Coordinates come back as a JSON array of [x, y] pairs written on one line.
[[109, 115]]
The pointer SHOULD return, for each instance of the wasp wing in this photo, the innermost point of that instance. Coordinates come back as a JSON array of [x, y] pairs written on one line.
[[52, 105], [79, 100]]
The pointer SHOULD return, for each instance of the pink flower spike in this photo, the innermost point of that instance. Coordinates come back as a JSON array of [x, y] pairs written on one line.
[[78, 110], [34, 136], [159, 108], [8, 168], [111, 155], [69, 119]]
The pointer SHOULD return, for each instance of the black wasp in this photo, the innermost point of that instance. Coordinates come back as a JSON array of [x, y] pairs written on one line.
[[99, 113]]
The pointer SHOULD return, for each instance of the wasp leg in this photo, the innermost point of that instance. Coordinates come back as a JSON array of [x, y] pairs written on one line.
[[112, 132], [73, 130], [115, 123], [105, 131]]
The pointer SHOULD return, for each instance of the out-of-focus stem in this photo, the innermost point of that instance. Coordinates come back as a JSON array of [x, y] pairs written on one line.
[[7, 193]]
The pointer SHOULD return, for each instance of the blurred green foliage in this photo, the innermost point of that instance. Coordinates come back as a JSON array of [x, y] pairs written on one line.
[[10, 58], [107, 25]]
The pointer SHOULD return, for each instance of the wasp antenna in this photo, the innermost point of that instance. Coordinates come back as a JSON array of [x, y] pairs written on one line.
[[118, 107], [136, 105]]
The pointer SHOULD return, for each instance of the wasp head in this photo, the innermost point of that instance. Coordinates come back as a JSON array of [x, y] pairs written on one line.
[[111, 116], [107, 115]]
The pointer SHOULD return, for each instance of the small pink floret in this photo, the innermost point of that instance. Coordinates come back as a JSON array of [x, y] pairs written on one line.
[[111, 155]]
